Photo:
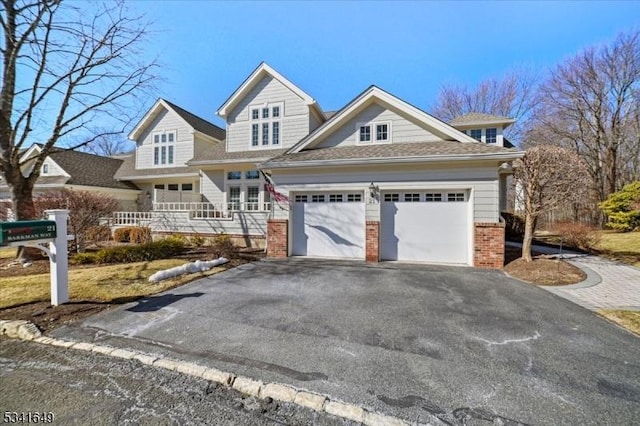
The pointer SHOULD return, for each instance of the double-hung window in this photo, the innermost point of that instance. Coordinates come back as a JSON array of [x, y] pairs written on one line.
[[265, 125], [164, 148], [491, 135], [476, 134]]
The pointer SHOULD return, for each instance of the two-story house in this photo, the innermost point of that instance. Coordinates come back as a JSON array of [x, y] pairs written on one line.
[[377, 180]]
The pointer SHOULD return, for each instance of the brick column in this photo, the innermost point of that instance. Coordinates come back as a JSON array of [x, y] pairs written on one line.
[[488, 250], [372, 246], [277, 238]]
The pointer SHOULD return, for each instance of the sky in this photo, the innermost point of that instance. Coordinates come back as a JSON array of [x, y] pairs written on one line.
[[333, 50]]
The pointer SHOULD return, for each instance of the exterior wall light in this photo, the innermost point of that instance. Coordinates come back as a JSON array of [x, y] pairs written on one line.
[[373, 190]]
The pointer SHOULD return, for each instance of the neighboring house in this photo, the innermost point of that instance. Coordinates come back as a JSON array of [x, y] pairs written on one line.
[[377, 180], [75, 170]]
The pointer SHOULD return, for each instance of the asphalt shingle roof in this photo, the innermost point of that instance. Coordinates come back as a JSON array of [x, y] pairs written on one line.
[[478, 117], [216, 152], [89, 169], [395, 150], [128, 170], [199, 124]]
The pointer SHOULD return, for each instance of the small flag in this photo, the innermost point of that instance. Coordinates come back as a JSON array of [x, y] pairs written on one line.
[[269, 186]]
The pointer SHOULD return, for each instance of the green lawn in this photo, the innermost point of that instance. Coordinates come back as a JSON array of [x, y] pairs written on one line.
[[97, 283], [621, 246]]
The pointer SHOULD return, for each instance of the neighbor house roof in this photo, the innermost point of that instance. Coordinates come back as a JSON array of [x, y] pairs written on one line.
[[417, 151], [478, 118], [198, 124], [128, 171], [89, 169], [215, 153]]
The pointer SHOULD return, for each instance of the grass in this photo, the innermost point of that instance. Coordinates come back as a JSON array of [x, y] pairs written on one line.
[[621, 246], [111, 283], [627, 319], [8, 252]]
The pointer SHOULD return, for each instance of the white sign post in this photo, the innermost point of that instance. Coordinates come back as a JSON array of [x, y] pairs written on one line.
[[59, 258]]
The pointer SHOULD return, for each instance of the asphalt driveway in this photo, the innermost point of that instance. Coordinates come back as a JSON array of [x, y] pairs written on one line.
[[419, 342]]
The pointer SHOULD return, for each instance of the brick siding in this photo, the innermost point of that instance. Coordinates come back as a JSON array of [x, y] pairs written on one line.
[[373, 241], [488, 250], [277, 238]]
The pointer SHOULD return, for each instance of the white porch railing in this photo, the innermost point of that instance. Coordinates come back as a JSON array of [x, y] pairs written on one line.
[[213, 211], [131, 219]]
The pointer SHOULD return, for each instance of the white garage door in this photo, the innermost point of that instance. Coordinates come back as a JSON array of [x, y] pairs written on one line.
[[425, 226], [328, 225]]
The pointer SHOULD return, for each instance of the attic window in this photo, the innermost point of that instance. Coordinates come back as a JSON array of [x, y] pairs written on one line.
[[365, 133], [491, 135], [164, 147], [45, 169], [373, 132], [265, 125]]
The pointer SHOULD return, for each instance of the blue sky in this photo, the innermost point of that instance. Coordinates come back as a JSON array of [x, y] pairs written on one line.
[[334, 50]]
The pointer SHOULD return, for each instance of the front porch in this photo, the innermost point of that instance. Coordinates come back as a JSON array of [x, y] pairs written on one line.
[[242, 219]]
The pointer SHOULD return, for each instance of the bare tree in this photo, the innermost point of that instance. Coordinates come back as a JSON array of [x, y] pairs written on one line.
[[65, 65], [546, 177], [591, 104], [511, 96], [86, 209], [107, 144]]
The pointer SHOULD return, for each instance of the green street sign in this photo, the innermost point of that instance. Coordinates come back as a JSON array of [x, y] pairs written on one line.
[[26, 230]]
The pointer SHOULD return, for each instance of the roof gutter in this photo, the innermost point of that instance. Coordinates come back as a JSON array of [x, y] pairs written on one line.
[[395, 160], [139, 177], [216, 162]]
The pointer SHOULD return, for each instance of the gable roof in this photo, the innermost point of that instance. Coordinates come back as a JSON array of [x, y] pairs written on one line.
[[395, 152], [89, 169], [374, 94], [478, 118], [198, 124], [254, 78]]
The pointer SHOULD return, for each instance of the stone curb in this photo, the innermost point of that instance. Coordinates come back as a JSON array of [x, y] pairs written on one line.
[[25, 330]]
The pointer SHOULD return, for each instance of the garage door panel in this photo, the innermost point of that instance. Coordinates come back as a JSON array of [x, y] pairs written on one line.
[[425, 231], [329, 230]]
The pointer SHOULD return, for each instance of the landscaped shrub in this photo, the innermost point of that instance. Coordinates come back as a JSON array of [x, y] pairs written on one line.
[[577, 235], [99, 233], [196, 240], [162, 249], [122, 235], [623, 208], [85, 258], [223, 246], [140, 234], [514, 226]]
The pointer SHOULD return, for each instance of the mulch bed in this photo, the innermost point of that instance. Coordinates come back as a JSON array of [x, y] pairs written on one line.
[[542, 271]]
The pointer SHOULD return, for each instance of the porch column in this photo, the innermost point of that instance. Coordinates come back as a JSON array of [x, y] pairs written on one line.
[[488, 250], [372, 245]]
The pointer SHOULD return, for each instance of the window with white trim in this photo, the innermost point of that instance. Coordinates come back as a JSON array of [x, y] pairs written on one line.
[[391, 197], [335, 198], [234, 175], [45, 169], [301, 198], [252, 174], [187, 187], [234, 198], [432, 197], [455, 196], [412, 198], [163, 148], [253, 198], [376, 132], [317, 198], [491, 135], [266, 126], [354, 198], [476, 134]]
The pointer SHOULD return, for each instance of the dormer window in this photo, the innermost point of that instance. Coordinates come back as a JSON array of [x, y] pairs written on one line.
[[164, 148], [491, 135], [265, 126], [373, 132], [476, 134]]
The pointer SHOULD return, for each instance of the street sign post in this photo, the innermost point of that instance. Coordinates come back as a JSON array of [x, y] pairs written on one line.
[[34, 233]]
